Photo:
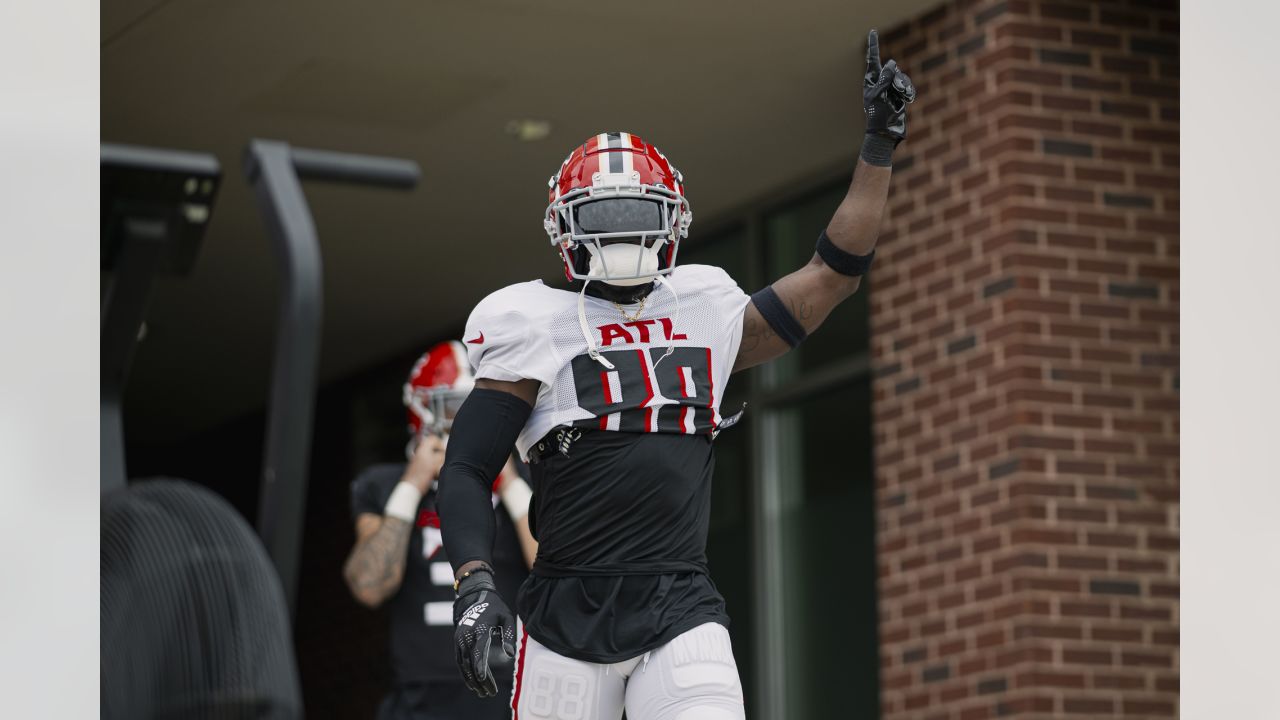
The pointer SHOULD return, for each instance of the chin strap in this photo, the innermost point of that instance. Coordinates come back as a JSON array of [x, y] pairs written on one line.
[[675, 322], [586, 331], [593, 351]]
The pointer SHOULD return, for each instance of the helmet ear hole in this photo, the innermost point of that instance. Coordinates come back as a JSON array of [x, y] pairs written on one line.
[[581, 260], [666, 255]]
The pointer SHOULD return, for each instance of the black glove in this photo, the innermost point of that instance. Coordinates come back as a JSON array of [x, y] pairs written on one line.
[[886, 93], [479, 614]]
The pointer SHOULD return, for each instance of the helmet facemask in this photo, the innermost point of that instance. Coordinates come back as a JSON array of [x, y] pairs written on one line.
[[438, 383], [624, 234]]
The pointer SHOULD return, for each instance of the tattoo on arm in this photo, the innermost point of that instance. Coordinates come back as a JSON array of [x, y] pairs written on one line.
[[803, 312], [754, 332], [376, 565]]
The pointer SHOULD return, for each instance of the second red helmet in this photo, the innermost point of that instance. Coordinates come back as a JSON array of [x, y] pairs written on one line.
[[438, 383]]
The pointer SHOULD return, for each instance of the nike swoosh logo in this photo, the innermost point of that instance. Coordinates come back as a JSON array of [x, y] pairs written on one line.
[[477, 341]]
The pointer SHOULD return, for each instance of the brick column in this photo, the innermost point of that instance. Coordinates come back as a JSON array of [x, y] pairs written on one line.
[[1025, 336]]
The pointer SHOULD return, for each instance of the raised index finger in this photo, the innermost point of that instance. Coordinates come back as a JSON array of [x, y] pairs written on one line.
[[873, 54]]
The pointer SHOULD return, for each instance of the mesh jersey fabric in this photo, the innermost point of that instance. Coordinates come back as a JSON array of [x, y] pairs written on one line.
[[531, 331]]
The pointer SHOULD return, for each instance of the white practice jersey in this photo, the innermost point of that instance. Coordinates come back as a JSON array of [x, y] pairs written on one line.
[[531, 331]]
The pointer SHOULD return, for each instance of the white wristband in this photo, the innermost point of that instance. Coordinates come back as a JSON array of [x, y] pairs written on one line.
[[403, 503], [515, 494]]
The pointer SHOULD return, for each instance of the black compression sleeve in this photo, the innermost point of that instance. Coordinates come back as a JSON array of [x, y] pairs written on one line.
[[483, 432]]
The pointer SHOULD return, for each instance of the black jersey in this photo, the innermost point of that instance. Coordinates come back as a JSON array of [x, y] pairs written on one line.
[[422, 609], [621, 521]]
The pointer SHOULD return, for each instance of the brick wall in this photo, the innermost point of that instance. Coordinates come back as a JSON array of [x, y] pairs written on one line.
[[1025, 335]]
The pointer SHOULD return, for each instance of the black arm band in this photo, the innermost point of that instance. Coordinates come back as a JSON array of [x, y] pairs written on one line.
[[778, 316], [845, 263], [480, 442]]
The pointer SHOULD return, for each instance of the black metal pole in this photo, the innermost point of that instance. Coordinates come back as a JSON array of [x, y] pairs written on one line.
[[273, 169], [124, 307], [155, 206], [269, 169], [359, 169]]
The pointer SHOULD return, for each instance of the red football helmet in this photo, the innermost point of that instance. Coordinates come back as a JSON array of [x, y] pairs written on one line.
[[617, 211], [438, 383]]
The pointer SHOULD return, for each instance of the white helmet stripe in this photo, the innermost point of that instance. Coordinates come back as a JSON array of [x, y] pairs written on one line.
[[602, 142], [628, 157], [615, 158]]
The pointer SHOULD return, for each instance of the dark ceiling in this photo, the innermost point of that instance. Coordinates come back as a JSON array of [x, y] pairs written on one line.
[[743, 96]]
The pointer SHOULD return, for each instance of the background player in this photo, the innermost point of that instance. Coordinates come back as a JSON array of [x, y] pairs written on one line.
[[398, 556], [613, 394]]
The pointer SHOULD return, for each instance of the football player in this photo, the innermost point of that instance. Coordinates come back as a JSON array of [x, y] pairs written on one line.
[[398, 556], [612, 392]]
